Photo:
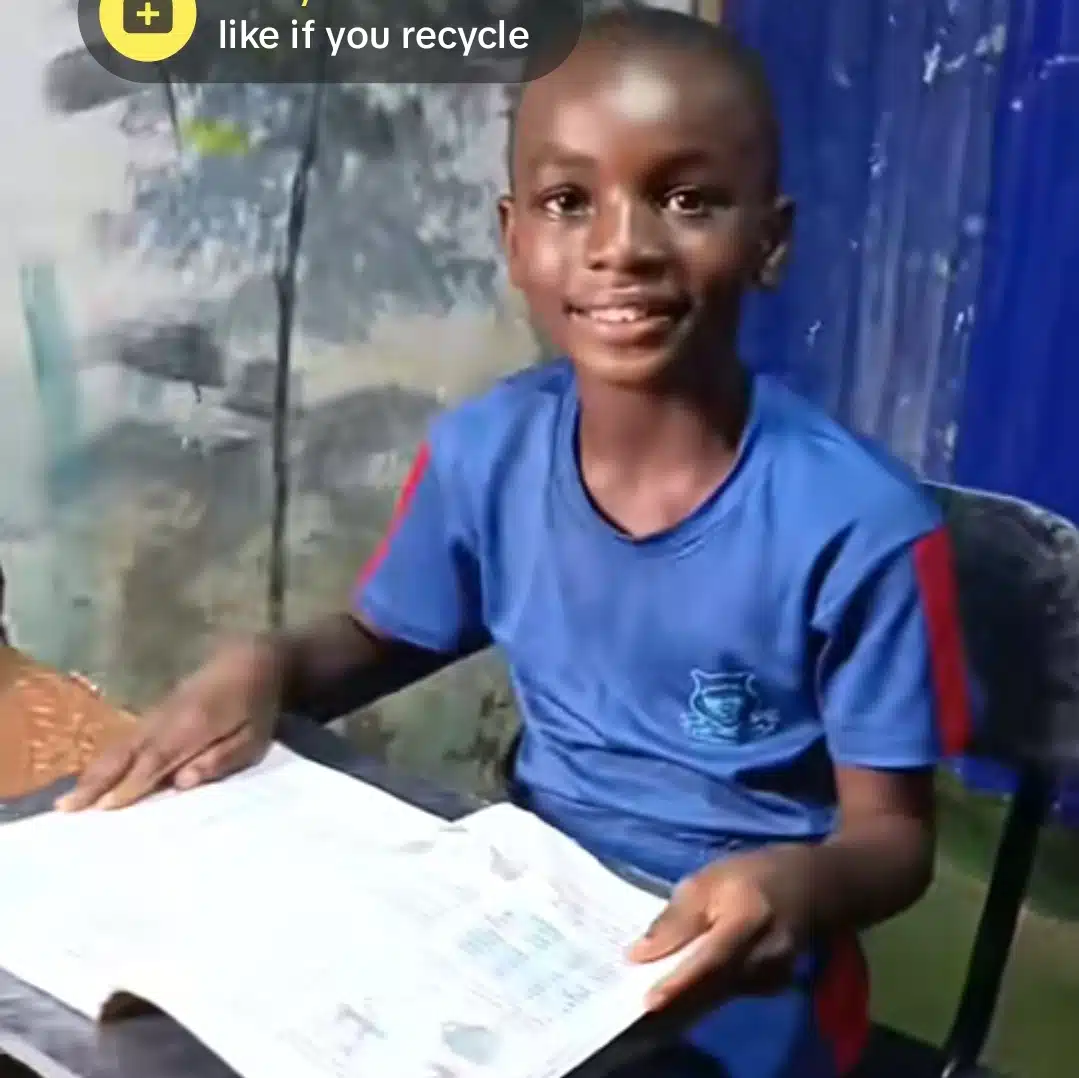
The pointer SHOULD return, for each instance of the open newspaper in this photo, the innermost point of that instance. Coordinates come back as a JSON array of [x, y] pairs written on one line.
[[302, 924]]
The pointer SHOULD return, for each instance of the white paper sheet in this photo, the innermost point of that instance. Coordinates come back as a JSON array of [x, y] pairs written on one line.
[[85, 894], [494, 946], [304, 927]]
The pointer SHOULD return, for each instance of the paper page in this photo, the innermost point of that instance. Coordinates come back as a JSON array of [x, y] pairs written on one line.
[[447, 957], [303, 925], [574, 880], [86, 894]]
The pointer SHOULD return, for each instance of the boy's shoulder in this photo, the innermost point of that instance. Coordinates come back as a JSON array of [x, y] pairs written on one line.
[[834, 480], [484, 427]]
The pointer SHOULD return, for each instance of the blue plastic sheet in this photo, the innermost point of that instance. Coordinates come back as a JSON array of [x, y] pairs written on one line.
[[1018, 429], [888, 109]]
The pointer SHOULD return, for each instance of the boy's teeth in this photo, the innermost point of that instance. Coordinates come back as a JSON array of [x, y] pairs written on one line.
[[618, 314]]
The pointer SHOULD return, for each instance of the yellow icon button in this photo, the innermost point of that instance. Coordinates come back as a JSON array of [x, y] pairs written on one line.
[[147, 31]]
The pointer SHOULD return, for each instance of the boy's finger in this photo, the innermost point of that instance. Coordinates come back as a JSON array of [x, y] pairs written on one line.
[[99, 777], [715, 952], [175, 736], [682, 921], [149, 768], [225, 757]]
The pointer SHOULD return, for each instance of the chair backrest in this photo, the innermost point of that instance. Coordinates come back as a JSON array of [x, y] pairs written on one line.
[[1018, 570], [1018, 575]]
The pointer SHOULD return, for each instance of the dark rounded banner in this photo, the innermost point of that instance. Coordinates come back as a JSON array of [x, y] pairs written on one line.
[[337, 41]]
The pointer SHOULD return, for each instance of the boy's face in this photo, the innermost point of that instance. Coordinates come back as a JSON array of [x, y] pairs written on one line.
[[642, 208]]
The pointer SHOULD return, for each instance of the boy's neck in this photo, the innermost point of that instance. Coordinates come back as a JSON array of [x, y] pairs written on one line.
[[691, 422]]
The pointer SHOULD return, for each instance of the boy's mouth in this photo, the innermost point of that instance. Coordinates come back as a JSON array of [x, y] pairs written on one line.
[[627, 322]]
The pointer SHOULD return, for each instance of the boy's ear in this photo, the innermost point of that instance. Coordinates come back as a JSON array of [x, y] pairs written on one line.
[[507, 227], [777, 239]]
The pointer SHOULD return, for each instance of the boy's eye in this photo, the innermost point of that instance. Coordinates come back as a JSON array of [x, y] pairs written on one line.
[[565, 203], [690, 202]]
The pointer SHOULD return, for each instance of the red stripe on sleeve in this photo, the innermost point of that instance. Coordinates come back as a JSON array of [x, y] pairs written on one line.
[[933, 565], [400, 510]]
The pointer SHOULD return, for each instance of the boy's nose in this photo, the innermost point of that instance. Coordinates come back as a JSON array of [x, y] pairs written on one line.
[[626, 235]]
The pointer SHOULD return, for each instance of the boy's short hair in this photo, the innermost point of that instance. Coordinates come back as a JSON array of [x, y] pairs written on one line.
[[662, 28]]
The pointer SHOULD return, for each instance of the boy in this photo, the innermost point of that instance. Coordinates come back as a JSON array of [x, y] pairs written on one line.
[[731, 626]]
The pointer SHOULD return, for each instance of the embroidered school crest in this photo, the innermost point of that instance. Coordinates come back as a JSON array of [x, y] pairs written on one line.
[[726, 709]]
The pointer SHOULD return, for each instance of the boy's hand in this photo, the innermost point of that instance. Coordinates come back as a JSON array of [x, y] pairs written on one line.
[[746, 920], [220, 720], [741, 930]]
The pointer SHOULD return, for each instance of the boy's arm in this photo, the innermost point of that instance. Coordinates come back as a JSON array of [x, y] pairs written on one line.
[[878, 862], [416, 606], [893, 692], [339, 664], [894, 696]]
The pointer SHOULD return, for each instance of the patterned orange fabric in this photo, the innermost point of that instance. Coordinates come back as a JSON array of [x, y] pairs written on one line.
[[51, 724]]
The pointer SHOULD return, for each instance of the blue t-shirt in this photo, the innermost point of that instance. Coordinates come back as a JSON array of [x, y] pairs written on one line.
[[684, 695]]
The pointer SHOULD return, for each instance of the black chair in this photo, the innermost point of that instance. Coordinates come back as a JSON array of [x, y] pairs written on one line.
[[1018, 570]]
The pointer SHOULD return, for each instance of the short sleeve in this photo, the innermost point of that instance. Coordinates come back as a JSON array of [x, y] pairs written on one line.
[[892, 678], [422, 584]]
